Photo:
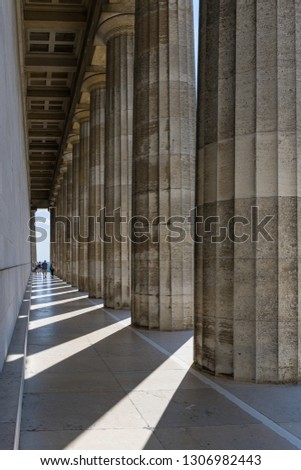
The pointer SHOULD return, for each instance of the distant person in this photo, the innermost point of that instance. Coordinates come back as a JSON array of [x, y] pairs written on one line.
[[52, 270], [44, 269], [39, 268]]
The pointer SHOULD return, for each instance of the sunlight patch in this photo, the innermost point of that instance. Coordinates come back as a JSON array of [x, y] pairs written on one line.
[[58, 302], [34, 297], [50, 357], [34, 324]]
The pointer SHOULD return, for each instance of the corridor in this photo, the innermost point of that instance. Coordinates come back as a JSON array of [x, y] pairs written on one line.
[[94, 382]]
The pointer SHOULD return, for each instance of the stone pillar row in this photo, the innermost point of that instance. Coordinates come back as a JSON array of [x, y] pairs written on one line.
[[164, 159], [243, 265]]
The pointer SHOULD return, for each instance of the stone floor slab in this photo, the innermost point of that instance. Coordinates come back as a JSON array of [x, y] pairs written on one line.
[[188, 408], [70, 382], [227, 437], [159, 379], [108, 439], [94, 382], [79, 411]]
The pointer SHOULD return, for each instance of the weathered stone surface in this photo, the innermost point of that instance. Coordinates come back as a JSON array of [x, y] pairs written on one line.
[[119, 36], [96, 187], [247, 291], [164, 160], [14, 192], [75, 210], [83, 268]]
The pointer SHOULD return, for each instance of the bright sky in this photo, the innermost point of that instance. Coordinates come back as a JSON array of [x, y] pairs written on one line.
[[43, 251], [43, 248]]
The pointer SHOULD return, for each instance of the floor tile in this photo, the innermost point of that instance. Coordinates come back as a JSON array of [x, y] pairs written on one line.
[[79, 411], [226, 437], [108, 439]]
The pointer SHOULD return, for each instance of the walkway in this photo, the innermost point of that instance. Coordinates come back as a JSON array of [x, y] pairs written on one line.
[[93, 382]]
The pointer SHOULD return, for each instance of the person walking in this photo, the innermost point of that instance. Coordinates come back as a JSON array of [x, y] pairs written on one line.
[[44, 269], [52, 270]]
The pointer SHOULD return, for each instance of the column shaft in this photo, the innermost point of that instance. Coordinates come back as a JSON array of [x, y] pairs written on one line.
[[33, 244], [59, 231], [53, 240], [84, 205], [118, 168], [96, 191], [75, 213], [164, 165], [247, 306], [69, 222], [64, 226]]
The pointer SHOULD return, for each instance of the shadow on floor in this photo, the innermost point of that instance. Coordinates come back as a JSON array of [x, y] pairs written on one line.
[[93, 382], [79, 365]]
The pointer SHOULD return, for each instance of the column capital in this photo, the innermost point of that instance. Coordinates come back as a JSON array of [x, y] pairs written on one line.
[[116, 25], [93, 81], [67, 157], [82, 115], [63, 169], [73, 139]]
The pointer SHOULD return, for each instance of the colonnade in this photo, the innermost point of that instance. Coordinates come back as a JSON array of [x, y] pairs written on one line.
[[230, 266]]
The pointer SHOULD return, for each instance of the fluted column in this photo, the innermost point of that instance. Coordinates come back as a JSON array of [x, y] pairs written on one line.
[[164, 165], [33, 244], [96, 85], [118, 33], [74, 141], [247, 294], [53, 241], [59, 228], [64, 223], [69, 218], [53, 227], [83, 266]]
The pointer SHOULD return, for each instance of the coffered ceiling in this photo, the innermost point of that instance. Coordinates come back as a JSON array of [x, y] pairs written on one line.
[[57, 35]]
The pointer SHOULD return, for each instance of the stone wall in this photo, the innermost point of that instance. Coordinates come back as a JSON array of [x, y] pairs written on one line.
[[14, 197]]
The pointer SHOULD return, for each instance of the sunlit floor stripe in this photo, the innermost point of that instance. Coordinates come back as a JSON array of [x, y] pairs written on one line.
[[35, 324], [46, 283], [50, 288], [58, 302], [13, 357], [218, 388], [53, 356], [51, 294]]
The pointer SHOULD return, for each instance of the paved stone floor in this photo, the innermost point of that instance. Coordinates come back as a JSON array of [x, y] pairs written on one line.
[[94, 382]]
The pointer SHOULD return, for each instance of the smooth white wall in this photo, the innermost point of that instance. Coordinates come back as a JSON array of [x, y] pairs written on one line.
[[14, 198]]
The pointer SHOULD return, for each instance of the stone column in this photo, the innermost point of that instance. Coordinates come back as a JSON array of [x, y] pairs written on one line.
[[118, 34], [74, 141], [96, 85], [64, 254], [53, 241], [164, 165], [247, 294], [54, 247], [69, 216], [33, 244], [59, 229], [83, 266]]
